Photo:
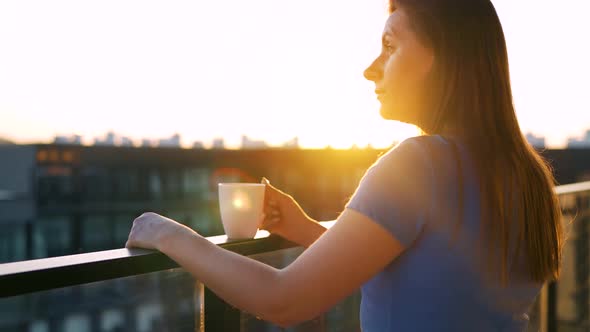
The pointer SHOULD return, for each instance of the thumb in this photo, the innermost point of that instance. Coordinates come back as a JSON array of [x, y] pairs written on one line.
[[271, 192], [261, 220]]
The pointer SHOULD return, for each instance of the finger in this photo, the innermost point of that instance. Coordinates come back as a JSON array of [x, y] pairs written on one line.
[[271, 213], [270, 204], [261, 221], [268, 192], [269, 223], [266, 220], [271, 192]]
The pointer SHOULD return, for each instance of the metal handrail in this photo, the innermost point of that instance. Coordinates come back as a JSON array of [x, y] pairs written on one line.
[[573, 188], [25, 277]]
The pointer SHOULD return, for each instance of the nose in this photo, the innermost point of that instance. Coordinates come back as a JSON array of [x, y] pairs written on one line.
[[373, 72]]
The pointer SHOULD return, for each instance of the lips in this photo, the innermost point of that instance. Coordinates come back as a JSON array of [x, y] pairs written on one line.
[[380, 93]]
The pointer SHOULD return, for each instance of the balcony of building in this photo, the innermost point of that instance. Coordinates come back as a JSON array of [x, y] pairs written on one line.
[[142, 290]]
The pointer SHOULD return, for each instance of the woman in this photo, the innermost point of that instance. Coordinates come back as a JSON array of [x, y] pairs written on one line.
[[455, 230]]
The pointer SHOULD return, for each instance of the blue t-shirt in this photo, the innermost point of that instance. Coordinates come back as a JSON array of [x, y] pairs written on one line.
[[438, 283]]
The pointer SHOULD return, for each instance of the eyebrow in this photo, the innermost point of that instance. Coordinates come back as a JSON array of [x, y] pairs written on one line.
[[389, 33]]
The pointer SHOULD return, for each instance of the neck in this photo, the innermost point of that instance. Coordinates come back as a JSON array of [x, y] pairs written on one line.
[[453, 131]]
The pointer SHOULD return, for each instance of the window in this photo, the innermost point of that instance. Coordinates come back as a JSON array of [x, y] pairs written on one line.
[[13, 243], [54, 184], [97, 233], [126, 183], [155, 184], [95, 184], [76, 323], [122, 227], [196, 182], [52, 237], [172, 184]]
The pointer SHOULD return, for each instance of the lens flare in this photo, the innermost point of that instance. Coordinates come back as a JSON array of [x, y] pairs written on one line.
[[241, 201]]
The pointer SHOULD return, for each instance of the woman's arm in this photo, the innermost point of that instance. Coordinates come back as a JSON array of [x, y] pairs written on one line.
[[306, 234], [337, 264], [284, 216], [243, 282]]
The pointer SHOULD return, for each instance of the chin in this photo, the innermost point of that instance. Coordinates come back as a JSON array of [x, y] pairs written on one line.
[[396, 113]]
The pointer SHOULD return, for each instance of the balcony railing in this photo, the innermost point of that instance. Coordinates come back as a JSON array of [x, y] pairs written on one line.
[[567, 302], [142, 290]]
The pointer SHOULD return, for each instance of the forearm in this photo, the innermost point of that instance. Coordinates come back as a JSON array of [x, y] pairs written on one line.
[[243, 282], [307, 235]]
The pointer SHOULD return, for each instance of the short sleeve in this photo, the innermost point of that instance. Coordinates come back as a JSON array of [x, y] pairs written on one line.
[[396, 191]]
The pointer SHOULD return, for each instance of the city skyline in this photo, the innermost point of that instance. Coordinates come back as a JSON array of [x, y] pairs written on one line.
[[205, 72], [175, 141], [111, 138]]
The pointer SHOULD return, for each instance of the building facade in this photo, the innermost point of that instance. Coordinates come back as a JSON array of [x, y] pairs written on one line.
[[65, 199]]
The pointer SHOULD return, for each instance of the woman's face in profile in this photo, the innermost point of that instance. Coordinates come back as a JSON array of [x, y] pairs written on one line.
[[400, 70]]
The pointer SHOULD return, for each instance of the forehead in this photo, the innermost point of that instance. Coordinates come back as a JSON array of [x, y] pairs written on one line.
[[397, 24]]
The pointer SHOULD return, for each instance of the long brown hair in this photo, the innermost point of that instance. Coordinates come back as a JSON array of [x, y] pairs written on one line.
[[469, 88]]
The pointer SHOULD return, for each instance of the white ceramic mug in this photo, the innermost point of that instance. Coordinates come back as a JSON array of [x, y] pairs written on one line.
[[241, 207]]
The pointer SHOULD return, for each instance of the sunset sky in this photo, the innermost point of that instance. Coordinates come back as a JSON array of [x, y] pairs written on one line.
[[269, 69]]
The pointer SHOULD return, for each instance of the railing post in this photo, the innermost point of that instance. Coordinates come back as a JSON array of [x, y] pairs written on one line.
[[219, 315], [581, 267], [29, 239], [551, 318]]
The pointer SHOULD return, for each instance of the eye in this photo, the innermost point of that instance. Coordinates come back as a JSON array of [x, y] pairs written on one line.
[[388, 47]]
